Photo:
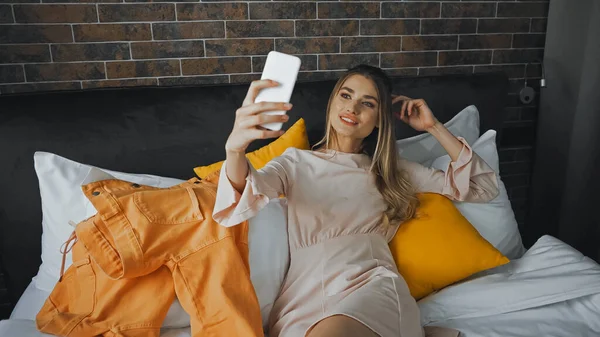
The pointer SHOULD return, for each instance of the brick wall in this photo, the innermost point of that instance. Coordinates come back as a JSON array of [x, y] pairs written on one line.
[[69, 44]]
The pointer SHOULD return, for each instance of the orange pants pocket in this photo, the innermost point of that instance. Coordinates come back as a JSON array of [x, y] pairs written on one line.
[[81, 288], [168, 206]]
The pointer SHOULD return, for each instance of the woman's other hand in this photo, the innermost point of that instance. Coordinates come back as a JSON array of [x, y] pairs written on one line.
[[415, 112]]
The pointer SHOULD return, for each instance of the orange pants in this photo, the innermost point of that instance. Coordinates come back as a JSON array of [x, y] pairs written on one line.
[[144, 246]]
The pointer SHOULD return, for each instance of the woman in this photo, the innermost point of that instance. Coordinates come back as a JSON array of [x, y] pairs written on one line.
[[346, 199]]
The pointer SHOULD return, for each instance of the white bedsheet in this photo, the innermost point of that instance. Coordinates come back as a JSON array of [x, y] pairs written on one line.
[[552, 291], [19, 328]]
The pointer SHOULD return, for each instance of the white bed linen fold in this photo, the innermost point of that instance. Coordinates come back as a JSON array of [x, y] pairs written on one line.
[[553, 290]]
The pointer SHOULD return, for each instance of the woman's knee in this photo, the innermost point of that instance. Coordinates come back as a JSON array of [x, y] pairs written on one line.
[[340, 326]]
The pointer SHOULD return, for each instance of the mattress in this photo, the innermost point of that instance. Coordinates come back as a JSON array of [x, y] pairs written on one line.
[[552, 291]]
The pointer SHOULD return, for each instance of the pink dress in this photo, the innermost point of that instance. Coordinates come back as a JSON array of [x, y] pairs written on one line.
[[340, 262]]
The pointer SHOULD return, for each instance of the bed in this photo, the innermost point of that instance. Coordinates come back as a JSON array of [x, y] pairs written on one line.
[[551, 290]]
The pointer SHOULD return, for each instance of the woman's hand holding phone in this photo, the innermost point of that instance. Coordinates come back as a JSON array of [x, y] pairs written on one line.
[[249, 117]]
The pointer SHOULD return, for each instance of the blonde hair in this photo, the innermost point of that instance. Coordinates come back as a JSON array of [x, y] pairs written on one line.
[[380, 146]]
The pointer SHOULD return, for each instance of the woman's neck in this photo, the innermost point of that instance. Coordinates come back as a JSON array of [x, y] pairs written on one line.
[[347, 145]]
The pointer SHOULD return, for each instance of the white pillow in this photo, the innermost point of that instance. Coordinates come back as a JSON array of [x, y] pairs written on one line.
[[424, 148], [269, 254], [494, 220], [60, 181]]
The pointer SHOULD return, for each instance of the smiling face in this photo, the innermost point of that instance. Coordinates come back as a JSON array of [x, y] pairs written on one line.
[[354, 111]]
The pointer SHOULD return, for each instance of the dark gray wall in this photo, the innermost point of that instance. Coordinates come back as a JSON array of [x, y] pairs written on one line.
[[565, 183], [5, 303]]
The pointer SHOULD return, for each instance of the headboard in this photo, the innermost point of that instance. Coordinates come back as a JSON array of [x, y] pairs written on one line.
[[167, 132]]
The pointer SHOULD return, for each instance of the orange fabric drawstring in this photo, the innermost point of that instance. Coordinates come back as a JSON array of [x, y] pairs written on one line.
[[65, 249]]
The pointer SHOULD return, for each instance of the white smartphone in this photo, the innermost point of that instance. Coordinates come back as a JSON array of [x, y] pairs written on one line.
[[282, 68]]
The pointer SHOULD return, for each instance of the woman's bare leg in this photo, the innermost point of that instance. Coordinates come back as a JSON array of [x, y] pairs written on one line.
[[340, 326]]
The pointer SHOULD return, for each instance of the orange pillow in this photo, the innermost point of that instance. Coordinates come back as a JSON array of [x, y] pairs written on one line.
[[295, 136], [440, 247]]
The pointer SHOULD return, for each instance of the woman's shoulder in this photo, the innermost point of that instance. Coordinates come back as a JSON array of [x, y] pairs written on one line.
[[296, 155], [292, 155]]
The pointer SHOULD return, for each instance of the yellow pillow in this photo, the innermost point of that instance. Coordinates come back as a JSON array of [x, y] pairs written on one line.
[[440, 247], [295, 136]]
